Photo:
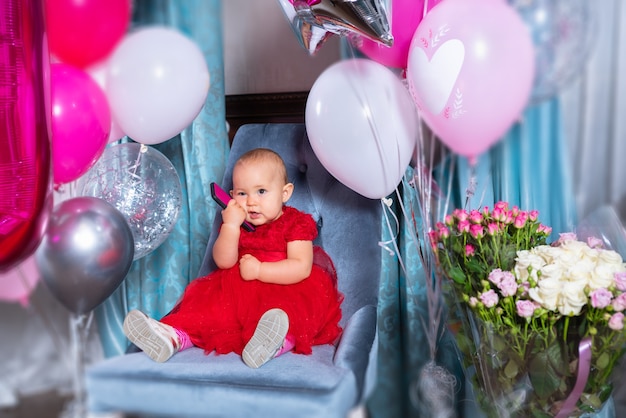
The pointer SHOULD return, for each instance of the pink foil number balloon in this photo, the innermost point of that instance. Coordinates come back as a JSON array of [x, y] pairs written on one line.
[[470, 69], [25, 177], [405, 16]]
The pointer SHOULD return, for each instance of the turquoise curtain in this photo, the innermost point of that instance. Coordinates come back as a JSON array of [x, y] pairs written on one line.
[[156, 281], [528, 168]]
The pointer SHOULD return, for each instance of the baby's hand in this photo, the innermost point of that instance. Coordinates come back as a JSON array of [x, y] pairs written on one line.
[[234, 214], [249, 267]]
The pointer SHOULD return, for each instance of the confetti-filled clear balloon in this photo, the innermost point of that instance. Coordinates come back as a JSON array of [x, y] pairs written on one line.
[[143, 185]]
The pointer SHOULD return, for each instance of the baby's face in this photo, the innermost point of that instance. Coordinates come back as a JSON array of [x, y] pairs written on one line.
[[260, 190]]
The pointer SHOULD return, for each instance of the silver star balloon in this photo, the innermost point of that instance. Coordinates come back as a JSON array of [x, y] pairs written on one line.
[[313, 21]]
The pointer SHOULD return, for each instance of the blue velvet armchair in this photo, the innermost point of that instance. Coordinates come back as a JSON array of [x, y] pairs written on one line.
[[328, 383]]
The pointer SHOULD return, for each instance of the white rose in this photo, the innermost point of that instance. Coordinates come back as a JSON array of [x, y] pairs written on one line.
[[610, 257], [546, 293], [582, 276], [591, 254], [552, 271], [525, 260], [574, 246], [546, 253], [573, 298], [568, 256], [602, 276]]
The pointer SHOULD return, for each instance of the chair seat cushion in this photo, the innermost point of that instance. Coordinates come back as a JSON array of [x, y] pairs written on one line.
[[198, 384], [191, 383]]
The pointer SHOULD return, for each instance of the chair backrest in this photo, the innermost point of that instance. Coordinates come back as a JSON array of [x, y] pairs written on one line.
[[349, 224]]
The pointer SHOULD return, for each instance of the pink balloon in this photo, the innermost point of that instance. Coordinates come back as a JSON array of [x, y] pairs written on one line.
[[81, 122], [405, 17], [17, 284], [82, 32], [470, 70], [25, 171]]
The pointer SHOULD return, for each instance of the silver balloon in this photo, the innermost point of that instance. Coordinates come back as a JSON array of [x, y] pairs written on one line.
[[562, 32], [143, 185], [85, 254], [310, 35], [314, 20]]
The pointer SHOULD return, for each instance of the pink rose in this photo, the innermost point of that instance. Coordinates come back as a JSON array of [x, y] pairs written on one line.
[[508, 285], [470, 250], [595, 242], [544, 229], [499, 214], [475, 216], [443, 231], [619, 303], [493, 228], [520, 220], [601, 298], [566, 236], [525, 308], [496, 276], [489, 298], [477, 231], [616, 322], [464, 226], [460, 214], [501, 205], [434, 239], [620, 280]]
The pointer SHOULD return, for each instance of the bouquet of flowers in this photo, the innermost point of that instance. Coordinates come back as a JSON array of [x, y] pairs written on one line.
[[541, 325]]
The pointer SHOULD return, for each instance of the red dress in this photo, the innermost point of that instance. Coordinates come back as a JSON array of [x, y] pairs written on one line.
[[220, 311]]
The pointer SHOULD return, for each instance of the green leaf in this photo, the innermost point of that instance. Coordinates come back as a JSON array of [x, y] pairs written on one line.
[[474, 266], [544, 371], [457, 275], [500, 346], [511, 370], [603, 361]]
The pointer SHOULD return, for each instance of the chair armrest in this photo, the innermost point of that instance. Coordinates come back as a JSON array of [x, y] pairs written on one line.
[[355, 344]]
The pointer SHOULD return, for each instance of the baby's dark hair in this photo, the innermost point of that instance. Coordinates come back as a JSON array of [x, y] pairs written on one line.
[[266, 155]]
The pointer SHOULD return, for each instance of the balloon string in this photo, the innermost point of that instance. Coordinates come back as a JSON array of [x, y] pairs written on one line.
[[78, 332], [27, 287], [132, 170], [386, 203], [471, 187]]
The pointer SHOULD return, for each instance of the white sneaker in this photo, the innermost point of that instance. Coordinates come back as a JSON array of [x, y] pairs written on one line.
[[267, 339], [157, 340]]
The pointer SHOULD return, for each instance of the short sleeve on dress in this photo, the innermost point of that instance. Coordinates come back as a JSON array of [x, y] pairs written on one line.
[[300, 226]]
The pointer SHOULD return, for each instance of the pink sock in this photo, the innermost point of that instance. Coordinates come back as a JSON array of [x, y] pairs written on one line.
[[288, 345], [183, 339]]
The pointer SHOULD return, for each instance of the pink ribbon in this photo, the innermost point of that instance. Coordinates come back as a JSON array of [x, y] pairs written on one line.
[[309, 2], [584, 366]]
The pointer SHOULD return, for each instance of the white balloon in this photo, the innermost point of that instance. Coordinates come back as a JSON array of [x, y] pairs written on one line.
[[157, 83], [362, 125], [98, 73]]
